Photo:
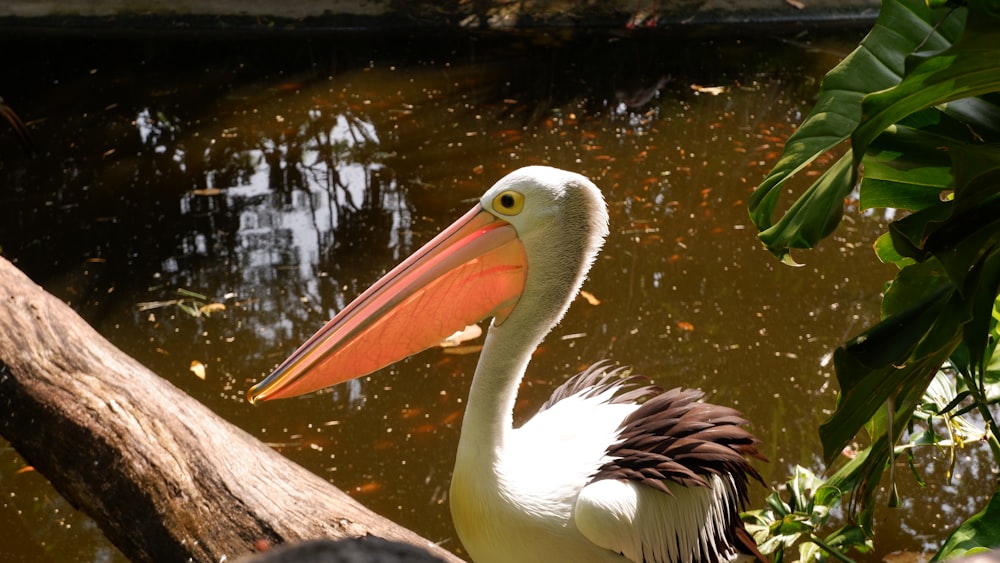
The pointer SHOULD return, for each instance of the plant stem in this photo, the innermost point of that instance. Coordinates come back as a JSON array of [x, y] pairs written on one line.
[[992, 431]]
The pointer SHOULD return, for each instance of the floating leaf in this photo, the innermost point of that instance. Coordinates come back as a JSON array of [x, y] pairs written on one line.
[[713, 90], [198, 369], [210, 308], [591, 299], [470, 332], [193, 294]]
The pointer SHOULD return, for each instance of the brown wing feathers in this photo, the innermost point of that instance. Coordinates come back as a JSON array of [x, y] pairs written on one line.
[[673, 437], [598, 378]]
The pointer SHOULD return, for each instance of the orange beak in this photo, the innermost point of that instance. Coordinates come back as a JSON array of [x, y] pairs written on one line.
[[476, 268]]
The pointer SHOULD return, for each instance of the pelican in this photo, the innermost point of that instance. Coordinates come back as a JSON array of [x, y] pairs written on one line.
[[612, 468]]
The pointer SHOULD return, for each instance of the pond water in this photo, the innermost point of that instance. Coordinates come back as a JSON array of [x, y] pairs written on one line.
[[211, 202]]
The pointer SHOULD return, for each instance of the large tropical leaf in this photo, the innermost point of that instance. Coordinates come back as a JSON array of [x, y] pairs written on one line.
[[877, 64], [967, 69]]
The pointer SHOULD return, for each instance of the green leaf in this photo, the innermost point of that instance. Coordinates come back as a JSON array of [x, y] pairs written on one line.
[[793, 525], [925, 129], [777, 505], [906, 168], [801, 487], [978, 534], [968, 68], [982, 289], [909, 234], [887, 253], [193, 294], [915, 286], [883, 450], [849, 535], [814, 215], [958, 232], [936, 80], [980, 116]]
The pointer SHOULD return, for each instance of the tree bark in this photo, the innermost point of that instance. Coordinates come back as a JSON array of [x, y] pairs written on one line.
[[165, 478]]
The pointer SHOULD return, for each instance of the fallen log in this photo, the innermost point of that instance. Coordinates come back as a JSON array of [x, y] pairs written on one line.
[[164, 477]]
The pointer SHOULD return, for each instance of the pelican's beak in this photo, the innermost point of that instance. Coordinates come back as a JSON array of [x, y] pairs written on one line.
[[474, 269]]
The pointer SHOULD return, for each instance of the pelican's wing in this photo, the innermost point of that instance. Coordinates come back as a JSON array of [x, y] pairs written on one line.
[[673, 484]]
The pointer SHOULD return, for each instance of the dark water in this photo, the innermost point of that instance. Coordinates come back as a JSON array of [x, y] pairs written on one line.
[[214, 201]]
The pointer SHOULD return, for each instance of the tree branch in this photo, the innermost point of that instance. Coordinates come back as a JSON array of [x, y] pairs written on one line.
[[165, 478]]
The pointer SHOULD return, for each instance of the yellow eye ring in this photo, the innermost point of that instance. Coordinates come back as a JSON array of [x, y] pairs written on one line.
[[508, 203]]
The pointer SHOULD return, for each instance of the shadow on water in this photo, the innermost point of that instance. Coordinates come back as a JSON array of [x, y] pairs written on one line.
[[212, 202]]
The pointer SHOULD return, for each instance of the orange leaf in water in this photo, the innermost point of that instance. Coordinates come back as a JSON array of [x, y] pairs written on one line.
[[463, 350], [198, 369], [453, 417], [409, 412], [368, 488], [423, 429], [212, 308], [206, 191]]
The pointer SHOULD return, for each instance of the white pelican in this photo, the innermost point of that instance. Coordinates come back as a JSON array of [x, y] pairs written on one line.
[[610, 469]]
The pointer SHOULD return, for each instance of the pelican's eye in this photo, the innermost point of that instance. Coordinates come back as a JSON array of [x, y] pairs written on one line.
[[509, 203]]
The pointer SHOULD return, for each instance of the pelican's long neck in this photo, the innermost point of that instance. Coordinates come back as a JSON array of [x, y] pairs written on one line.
[[560, 246], [504, 359]]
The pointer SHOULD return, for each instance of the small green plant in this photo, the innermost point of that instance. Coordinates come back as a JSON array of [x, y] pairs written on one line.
[[794, 518]]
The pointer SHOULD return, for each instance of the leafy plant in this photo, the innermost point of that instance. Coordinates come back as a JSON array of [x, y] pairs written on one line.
[[795, 519], [919, 100], [795, 516]]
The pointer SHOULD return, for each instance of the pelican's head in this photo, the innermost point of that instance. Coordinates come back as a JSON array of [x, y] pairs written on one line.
[[524, 248], [540, 199]]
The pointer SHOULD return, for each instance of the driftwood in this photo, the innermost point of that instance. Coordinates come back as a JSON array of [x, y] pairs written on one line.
[[165, 478]]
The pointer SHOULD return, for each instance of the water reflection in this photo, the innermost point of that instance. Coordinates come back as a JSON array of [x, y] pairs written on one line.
[[252, 194]]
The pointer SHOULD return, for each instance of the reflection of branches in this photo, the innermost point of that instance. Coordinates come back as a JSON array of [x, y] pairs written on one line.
[[359, 146], [324, 169], [364, 230], [306, 199]]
